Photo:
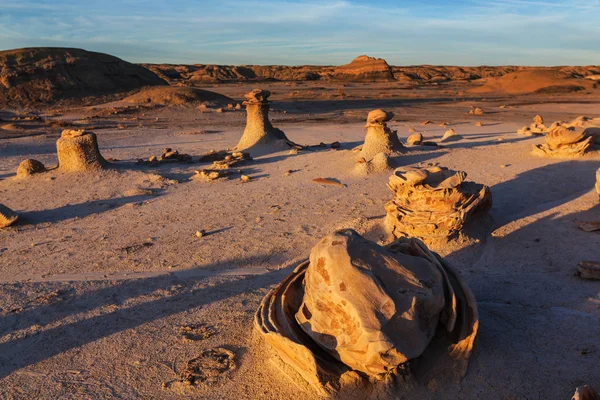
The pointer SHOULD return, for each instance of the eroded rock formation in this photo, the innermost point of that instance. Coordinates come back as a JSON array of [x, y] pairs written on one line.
[[536, 128], [358, 313], [7, 216], [432, 203], [379, 138], [260, 137], [77, 150], [564, 141], [30, 167]]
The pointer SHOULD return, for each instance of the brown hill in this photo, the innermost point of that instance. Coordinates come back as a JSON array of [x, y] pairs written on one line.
[[536, 80], [170, 95], [42, 75], [364, 68]]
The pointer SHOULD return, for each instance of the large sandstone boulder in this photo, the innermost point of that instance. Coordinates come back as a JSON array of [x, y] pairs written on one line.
[[7, 216], [432, 203], [564, 142], [357, 311], [77, 150], [260, 137]]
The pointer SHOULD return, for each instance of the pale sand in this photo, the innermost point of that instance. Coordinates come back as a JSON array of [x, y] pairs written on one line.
[[111, 330]]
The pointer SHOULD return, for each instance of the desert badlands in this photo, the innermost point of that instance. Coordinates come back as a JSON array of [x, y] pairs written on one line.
[[363, 231]]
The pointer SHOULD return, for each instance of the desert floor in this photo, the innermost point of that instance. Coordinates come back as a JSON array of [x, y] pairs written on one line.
[[103, 269]]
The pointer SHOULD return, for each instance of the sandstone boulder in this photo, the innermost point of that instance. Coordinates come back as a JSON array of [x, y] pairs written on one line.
[[357, 311], [450, 136], [30, 167], [564, 142], [414, 139], [7, 216]]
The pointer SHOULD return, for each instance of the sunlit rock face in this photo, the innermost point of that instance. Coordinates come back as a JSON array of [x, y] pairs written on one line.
[[433, 203], [564, 141], [359, 314]]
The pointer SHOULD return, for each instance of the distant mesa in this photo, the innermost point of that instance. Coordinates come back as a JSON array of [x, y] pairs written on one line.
[[46, 74], [365, 68], [536, 80]]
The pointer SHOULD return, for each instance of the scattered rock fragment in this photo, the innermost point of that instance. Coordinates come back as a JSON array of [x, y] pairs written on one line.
[[476, 111], [231, 160], [7, 216], [450, 136], [478, 123], [328, 181], [426, 122], [207, 175], [354, 314], [589, 270], [196, 332], [414, 139], [200, 233], [245, 178], [30, 167]]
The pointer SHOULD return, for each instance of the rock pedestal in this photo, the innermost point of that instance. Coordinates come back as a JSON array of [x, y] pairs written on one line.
[[432, 203], [260, 137], [77, 150], [379, 138]]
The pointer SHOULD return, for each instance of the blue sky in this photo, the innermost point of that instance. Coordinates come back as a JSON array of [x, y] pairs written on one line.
[[463, 32]]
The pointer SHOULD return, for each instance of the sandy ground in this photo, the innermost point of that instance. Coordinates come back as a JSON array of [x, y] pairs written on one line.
[[103, 269]]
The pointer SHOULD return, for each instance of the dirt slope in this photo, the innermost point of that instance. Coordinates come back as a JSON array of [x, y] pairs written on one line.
[[42, 75]]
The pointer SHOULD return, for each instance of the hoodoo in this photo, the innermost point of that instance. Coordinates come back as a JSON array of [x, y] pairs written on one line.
[[77, 150], [380, 138], [260, 137]]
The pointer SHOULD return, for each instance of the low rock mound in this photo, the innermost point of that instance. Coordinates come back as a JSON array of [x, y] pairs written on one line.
[[540, 80], [364, 68], [170, 95], [42, 75], [564, 141]]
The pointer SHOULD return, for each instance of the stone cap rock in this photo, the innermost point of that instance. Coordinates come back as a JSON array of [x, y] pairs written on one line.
[[432, 178], [257, 96], [379, 117], [72, 133]]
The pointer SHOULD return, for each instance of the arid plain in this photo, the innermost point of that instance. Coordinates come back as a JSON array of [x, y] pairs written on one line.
[[111, 280]]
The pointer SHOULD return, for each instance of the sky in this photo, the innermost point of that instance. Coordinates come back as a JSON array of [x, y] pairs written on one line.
[[321, 32]]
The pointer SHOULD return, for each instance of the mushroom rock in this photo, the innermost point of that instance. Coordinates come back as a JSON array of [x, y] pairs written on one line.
[[450, 136], [433, 203], [379, 138], [564, 142], [358, 312], [30, 167], [260, 137], [7, 216], [77, 150]]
